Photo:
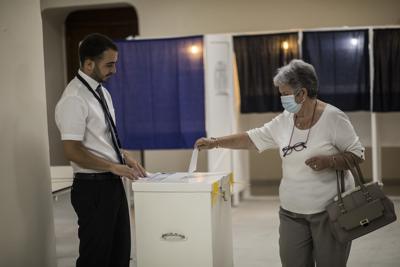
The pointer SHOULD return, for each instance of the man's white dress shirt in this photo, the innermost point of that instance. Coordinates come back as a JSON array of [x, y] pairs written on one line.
[[80, 117]]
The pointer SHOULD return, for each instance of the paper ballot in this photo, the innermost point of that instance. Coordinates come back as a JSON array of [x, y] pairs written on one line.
[[193, 161], [162, 177], [174, 177]]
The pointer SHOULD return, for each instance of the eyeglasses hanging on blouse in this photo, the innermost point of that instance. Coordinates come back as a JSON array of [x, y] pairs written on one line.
[[287, 150]]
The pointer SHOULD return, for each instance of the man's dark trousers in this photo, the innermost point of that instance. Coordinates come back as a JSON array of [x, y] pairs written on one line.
[[100, 202]]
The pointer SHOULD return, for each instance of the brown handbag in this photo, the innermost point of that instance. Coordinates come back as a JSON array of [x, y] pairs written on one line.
[[359, 211]]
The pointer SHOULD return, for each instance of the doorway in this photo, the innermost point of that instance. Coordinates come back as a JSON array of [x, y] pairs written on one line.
[[116, 23]]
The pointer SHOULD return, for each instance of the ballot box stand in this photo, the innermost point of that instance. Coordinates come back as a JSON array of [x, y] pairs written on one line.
[[183, 220]]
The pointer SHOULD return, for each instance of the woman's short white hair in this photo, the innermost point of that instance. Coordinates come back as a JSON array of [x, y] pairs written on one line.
[[297, 75]]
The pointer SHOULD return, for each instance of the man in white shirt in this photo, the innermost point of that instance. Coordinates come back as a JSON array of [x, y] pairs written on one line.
[[86, 120]]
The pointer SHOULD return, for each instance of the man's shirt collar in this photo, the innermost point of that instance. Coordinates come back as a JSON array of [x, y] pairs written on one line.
[[93, 83]]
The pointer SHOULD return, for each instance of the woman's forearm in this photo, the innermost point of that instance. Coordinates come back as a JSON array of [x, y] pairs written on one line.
[[234, 141], [338, 161]]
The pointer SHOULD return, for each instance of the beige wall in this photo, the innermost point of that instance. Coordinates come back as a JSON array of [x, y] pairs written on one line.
[[54, 58], [186, 17], [159, 18], [273, 171], [173, 161], [390, 162], [182, 17], [26, 224]]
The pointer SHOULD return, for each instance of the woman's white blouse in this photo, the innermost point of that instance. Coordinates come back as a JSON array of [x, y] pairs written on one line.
[[303, 190]]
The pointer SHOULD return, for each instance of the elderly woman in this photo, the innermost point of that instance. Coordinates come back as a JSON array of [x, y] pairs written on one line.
[[312, 137]]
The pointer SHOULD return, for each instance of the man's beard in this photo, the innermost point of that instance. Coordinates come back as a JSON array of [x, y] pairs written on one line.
[[96, 75]]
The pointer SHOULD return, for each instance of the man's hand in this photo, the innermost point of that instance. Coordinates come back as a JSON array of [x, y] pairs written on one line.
[[138, 170], [75, 151], [126, 171], [319, 163]]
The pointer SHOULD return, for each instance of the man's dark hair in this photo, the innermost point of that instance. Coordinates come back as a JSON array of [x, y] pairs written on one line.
[[93, 46]]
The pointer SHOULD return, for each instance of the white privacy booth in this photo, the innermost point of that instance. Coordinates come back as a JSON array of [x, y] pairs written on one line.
[[183, 219], [222, 110]]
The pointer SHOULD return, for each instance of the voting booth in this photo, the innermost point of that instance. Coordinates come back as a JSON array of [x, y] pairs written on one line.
[[168, 92], [183, 219]]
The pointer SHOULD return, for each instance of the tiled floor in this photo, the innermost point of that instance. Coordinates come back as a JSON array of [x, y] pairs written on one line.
[[255, 231], [255, 236]]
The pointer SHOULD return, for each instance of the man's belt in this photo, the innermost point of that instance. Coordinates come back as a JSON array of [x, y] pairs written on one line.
[[96, 176]]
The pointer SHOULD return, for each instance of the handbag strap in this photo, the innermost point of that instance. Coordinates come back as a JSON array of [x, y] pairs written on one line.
[[356, 171], [359, 179], [340, 183], [340, 186]]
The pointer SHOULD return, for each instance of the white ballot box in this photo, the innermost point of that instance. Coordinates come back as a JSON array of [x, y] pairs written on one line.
[[183, 220]]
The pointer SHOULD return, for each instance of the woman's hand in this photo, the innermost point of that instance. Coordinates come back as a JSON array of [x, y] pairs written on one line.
[[206, 143], [319, 163], [233, 141]]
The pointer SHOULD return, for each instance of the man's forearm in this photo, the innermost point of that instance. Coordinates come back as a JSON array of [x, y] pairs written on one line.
[[78, 154]]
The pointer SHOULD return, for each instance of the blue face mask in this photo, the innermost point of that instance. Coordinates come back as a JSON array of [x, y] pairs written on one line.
[[290, 104]]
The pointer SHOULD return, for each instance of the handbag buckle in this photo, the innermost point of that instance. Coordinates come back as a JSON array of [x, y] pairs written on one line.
[[367, 196], [342, 208], [364, 222]]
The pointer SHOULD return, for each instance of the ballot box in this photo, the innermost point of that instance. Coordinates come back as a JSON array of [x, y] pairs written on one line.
[[183, 220]]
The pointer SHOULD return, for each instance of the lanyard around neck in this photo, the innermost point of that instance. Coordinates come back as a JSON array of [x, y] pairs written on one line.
[[103, 105], [109, 120]]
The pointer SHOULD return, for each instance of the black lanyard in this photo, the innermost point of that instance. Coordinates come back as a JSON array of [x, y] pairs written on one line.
[[109, 119]]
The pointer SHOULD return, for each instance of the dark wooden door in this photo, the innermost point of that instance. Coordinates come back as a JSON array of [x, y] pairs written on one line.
[[116, 23]]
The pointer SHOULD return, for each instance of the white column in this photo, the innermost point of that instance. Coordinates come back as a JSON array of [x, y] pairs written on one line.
[[221, 110], [375, 140], [376, 149], [26, 224]]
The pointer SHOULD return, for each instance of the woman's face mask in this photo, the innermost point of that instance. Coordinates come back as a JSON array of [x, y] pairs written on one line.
[[289, 103]]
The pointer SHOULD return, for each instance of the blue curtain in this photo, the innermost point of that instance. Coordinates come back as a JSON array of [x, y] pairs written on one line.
[[341, 61], [158, 93], [386, 70]]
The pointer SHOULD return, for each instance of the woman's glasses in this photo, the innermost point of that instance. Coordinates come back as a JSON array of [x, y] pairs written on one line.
[[287, 150]]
